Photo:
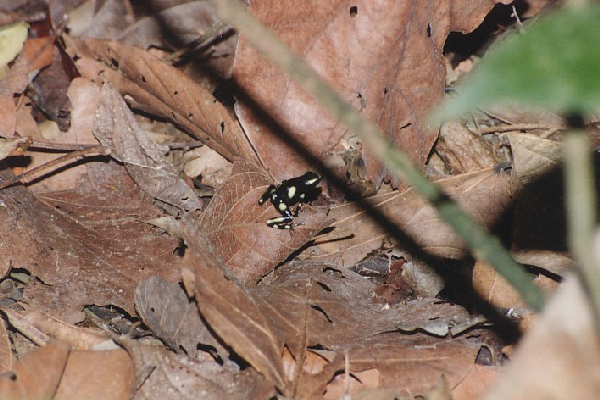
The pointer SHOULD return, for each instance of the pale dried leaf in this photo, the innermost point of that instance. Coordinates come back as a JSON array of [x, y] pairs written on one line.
[[36, 375], [78, 338], [106, 375], [7, 146], [83, 95], [533, 156], [410, 365], [559, 358], [116, 128], [6, 357]]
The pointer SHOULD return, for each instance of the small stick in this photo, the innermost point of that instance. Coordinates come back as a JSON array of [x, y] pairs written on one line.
[[60, 146], [74, 156]]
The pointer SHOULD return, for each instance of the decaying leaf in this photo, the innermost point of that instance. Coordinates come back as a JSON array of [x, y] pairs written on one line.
[[463, 151], [323, 305], [164, 375], [116, 128], [167, 311], [236, 225], [68, 259]]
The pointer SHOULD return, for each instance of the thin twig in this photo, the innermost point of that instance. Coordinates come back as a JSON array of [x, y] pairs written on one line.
[[185, 145], [71, 157], [515, 127], [60, 146]]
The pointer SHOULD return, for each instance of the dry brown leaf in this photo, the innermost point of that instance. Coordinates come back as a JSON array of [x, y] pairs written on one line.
[[159, 89], [96, 259], [236, 225], [558, 263], [36, 375], [412, 366], [323, 305], [385, 58], [163, 375], [105, 20], [116, 128], [39, 52], [230, 311], [484, 195], [539, 223], [14, 83], [51, 88], [167, 311], [91, 375], [181, 24]]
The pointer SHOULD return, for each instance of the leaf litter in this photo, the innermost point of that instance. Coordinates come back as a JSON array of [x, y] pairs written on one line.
[[310, 328]]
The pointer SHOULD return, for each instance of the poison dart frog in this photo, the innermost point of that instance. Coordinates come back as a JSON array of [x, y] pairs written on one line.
[[295, 191]]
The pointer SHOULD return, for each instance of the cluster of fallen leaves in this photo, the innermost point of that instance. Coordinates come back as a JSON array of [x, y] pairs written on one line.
[[91, 244]]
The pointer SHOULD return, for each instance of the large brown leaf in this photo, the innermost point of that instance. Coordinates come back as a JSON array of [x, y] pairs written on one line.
[[229, 310], [94, 259], [318, 304], [329, 310], [384, 57], [159, 89]]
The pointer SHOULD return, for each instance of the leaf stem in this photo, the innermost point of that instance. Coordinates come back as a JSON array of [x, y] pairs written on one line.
[[581, 213]]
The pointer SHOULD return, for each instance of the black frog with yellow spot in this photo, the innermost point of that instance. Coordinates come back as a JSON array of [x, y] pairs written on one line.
[[291, 192]]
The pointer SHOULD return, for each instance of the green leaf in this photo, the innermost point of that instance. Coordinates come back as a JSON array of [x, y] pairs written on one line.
[[554, 63]]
